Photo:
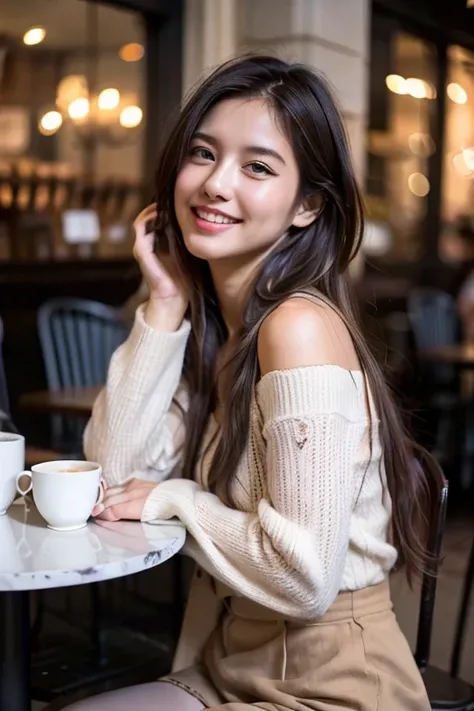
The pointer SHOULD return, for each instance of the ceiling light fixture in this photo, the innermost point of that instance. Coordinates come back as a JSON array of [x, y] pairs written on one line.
[[50, 122], [131, 52], [34, 35], [417, 88], [456, 93], [97, 116]]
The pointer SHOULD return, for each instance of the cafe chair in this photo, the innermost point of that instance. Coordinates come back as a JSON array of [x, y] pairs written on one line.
[[78, 338], [463, 615], [446, 693], [434, 323], [433, 317]]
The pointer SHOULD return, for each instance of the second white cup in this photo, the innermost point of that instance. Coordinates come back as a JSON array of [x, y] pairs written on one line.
[[12, 461], [64, 491]]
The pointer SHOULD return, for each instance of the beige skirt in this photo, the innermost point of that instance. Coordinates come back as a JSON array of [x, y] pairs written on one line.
[[354, 658]]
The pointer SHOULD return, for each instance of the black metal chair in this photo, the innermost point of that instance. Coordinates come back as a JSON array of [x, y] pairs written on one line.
[[435, 323], [463, 614], [446, 693], [78, 338], [433, 316]]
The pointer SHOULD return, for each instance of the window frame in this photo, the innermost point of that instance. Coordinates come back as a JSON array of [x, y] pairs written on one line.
[[441, 31]]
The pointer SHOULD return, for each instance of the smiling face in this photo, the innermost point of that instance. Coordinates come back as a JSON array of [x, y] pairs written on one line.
[[236, 194]]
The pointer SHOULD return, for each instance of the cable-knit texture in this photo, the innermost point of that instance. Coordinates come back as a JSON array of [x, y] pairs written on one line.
[[312, 511]]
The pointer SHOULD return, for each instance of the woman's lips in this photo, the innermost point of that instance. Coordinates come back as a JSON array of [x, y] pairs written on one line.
[[205, 225]]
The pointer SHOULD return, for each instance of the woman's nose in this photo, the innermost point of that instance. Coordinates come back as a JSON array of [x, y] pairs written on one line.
[[219, 184]]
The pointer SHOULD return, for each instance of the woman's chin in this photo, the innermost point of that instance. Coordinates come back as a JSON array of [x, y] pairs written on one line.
[[206, 247]]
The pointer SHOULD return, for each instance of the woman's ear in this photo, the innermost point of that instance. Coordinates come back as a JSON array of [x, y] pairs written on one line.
[[308, 211]]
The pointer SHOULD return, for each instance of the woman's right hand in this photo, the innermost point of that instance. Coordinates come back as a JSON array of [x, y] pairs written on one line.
[[167, 292]]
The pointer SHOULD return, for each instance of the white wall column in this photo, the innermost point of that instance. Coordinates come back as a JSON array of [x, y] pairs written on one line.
[[210, 36]]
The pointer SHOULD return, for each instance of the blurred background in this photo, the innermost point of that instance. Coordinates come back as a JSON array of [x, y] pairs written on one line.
[[87, 90]]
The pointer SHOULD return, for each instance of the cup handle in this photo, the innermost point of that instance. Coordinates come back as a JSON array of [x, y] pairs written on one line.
[[100, 495], [26, 491]]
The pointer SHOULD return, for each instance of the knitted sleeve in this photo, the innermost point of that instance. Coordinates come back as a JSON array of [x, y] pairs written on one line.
[[136, 428]]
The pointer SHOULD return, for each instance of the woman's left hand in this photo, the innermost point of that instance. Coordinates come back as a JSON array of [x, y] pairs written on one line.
[[125, 501]]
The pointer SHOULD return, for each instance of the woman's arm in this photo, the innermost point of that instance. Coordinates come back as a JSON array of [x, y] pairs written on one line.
[[136, 428]]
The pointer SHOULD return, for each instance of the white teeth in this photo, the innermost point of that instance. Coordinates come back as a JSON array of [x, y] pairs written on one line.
[[212, 217]]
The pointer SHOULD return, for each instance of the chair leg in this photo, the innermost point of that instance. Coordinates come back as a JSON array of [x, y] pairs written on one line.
[[37, 625], [177, 591], [462, 617], [98, 623]]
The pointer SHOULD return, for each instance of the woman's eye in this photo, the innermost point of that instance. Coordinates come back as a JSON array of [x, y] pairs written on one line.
[[202, 153], [259, 169]]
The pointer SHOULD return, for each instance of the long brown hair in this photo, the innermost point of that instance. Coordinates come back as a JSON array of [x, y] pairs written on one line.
[[308, 259]]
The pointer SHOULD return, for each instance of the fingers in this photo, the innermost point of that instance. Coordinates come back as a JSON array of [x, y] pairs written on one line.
[[144, 235], [107, 515], [149, 213], [124, 501], [123, 507]]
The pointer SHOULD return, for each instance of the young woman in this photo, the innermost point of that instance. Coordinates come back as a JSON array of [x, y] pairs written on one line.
[[246, 403]]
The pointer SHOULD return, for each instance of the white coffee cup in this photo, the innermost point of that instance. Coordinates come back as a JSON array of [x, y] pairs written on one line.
[[65, 491], [12, 461]]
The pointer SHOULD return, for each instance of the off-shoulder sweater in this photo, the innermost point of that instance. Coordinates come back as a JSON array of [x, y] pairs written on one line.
[[312, 512]]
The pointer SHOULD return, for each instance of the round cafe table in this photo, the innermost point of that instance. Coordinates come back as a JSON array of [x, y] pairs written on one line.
[[33, 557]]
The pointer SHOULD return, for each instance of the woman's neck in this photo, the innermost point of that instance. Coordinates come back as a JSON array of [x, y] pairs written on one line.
[[232, 287]]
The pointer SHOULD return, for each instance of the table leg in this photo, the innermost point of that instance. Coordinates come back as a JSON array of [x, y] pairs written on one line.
[[14, 651]]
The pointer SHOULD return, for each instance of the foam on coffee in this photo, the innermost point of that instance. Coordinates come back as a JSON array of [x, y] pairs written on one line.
[[74, 470]]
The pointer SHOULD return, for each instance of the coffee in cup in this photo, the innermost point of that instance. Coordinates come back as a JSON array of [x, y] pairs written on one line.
[[65, 492]]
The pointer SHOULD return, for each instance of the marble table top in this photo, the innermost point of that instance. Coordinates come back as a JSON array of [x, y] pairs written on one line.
[[33, 557]]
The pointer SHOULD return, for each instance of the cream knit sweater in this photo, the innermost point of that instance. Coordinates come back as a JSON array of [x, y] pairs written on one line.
[[312, 514]]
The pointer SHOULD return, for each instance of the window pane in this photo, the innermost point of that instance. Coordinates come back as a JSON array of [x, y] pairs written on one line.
[[458, 159], [402, 105], [72, 84]]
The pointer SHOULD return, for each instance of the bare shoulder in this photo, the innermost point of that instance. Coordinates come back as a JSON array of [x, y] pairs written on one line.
[[301, 333]]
